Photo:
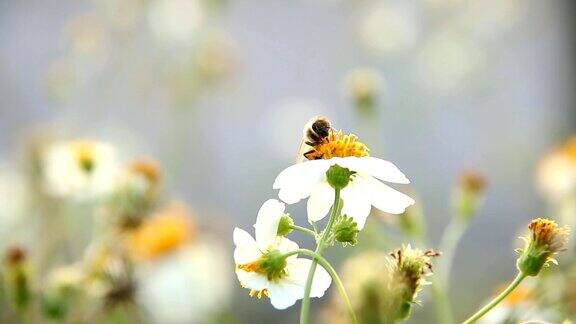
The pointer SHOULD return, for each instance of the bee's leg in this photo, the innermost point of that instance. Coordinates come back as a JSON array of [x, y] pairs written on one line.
[[308, 153]]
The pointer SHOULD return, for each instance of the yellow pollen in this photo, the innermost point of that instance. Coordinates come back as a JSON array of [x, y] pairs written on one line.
[[251, 267], [338, 144], [259, 293]]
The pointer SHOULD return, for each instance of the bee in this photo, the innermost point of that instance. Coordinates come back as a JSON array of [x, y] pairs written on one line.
[[315, 132]]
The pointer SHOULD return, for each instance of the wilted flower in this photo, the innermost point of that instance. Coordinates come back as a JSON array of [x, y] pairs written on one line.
[[383, 287], [262, 267], [309, 179], [556, 174], [469, 193], [162, 233], [79, 169], [545, 240]]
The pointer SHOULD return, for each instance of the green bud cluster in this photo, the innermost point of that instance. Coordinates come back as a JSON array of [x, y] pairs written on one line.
[[345, 230], [273, 264], [339, 177], [285, 225]]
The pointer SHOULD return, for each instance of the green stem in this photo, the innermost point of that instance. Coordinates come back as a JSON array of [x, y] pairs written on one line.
[[450, 239], [303, 230], [305, 311], [332, 272], [496, 300]]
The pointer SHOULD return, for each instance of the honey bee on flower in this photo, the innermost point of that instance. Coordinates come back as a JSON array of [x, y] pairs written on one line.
[[328, 147]]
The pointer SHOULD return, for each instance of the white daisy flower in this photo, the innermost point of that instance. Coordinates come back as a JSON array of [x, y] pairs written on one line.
[[308, 179], [261, 267], [80, 169]]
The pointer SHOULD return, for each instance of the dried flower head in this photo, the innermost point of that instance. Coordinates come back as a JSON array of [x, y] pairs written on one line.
[[546, 239], [383, 287]]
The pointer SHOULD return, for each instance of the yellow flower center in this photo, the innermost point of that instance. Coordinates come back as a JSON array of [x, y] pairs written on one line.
[[338, 144], [259, 293], [84, 151], [161, 234]]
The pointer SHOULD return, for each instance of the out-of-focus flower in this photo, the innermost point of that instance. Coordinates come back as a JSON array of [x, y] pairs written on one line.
[[175, 21], [190, 286], [390, 27], [262, 267], [215, 56], [136, 193], [89, 41], [363, 86], [17, 278], [309, 179], [519, 306], [162, 233], [124, 15], [469, 193], [448, 61], [384, 287], [15, 198], [545, 240], [62, 285], [556, 173], [79, 169]]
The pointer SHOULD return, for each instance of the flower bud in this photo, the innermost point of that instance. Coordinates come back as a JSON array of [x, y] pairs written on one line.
[[339, 177], [17, 277], [469, 194], [410, 221], [285, 225], [363, 87], [546, 239], [345, 230], [384, 287]]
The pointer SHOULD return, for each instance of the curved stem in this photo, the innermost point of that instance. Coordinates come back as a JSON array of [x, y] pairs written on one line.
[[332, 272], [303, 230], [336, 206], [496, 300]]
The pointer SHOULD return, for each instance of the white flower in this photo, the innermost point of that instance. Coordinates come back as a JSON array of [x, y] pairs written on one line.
[[308, 179], [80, 169], [189, 286], [261, 267]]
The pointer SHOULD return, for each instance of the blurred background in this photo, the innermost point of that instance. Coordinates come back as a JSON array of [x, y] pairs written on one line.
[[217, 92]]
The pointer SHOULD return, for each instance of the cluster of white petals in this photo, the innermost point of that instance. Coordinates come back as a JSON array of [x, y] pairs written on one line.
[[286, 290], [308, 179]]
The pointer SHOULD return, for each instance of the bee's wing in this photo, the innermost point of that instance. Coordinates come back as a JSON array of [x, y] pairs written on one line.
[[302, 148]]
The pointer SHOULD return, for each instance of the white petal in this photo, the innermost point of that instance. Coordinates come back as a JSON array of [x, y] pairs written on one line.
[[252, 280], [378, 168], [320, 201], [356, 201], [297, 181], [267, 222], [286, 245], [246, 249], [284, 294], [387, 199], [298, 273]]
